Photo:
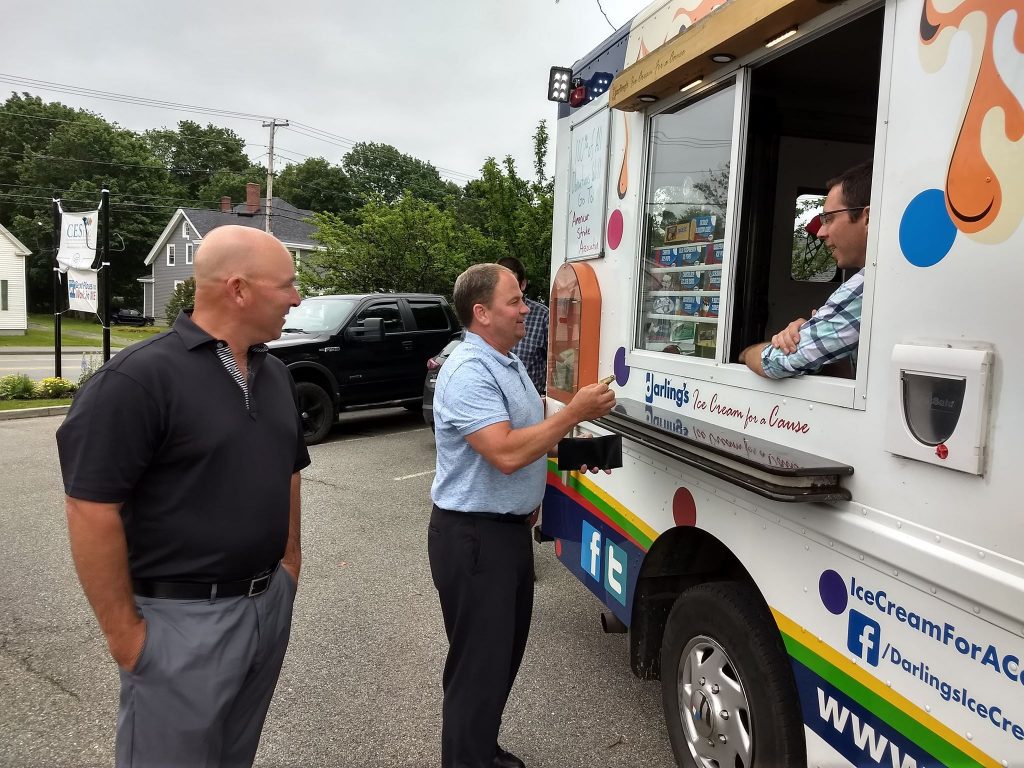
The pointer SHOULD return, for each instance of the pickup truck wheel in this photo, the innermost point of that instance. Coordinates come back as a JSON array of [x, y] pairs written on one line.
[[317, 412], [726, 682]]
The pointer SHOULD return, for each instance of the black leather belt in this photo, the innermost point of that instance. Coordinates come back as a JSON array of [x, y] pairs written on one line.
[[498, 517], [195, 590]]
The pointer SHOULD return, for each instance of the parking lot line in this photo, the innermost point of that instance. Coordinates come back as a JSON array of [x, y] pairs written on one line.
[[418, 474]]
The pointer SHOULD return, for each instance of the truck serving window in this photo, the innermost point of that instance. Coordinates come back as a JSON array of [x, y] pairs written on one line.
[[685, 216], [812, 115]]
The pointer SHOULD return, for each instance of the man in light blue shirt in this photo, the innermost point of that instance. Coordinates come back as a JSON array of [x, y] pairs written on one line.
[[492, 444]]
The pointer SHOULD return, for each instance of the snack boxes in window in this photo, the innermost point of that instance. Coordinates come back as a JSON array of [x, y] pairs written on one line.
[[690, 281], [704, 228], [663, 305], [709, 306], [666, 257], [712, 280], [688, 305], [689, 255], [715, 252]]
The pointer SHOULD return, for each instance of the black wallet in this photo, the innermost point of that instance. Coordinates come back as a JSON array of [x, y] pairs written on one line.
[[601, 452]]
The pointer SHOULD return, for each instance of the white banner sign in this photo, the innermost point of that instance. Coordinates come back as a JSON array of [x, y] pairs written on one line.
[[77, 240], [588, 170], [83, 289]]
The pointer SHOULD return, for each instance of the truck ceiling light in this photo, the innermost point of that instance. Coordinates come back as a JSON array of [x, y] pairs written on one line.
[[558, 84], [647, 98], [780, 37], [691, 85], [722, 58]]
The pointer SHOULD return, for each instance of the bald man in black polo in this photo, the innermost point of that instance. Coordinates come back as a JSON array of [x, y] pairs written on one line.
[[181, 461]]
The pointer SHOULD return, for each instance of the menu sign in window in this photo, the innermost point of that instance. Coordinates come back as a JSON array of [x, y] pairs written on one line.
[[588, 174]]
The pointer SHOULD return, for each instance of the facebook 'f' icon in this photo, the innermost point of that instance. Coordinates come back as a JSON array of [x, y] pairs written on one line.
[[864, 637], [590, 551]]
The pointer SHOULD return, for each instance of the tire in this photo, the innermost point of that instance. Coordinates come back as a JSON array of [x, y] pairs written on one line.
[[726, 682], [416, 407], [317, 412]]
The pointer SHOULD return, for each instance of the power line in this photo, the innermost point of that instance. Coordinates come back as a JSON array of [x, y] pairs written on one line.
[[300, 128], [47, 85]]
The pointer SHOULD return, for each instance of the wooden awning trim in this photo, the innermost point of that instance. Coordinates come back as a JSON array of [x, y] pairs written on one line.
[[738, 27]]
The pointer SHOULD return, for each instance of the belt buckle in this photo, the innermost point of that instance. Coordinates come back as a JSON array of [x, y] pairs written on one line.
[[260, 584]]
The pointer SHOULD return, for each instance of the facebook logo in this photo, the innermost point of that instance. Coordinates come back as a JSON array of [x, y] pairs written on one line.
[[615, 572], [590, 551], [864, 637]]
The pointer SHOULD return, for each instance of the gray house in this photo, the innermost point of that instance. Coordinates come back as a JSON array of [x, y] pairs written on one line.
[[171, 259]]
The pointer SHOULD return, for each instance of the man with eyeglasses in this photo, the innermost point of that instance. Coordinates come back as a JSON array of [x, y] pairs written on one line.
[[833, 332]]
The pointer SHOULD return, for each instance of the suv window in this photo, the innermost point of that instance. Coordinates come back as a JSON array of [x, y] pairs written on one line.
[[429, 315], [388, 312]]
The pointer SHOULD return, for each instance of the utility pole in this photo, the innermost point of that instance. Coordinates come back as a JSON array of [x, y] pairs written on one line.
[[272, 125]]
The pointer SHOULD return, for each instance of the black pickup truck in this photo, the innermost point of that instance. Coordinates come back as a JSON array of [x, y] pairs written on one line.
[[361, 350]]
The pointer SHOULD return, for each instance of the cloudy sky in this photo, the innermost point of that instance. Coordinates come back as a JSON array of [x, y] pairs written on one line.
[[450, 81]]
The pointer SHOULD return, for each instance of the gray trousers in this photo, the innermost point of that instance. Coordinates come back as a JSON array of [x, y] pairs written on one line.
[[201, 688]]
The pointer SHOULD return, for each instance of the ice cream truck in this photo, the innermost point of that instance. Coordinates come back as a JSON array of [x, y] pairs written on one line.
[[822, 570]]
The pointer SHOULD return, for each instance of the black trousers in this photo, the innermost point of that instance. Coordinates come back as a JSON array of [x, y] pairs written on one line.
[[483, 571]]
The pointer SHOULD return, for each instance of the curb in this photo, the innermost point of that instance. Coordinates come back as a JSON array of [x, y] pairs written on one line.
[[28, 413], [49, 350]]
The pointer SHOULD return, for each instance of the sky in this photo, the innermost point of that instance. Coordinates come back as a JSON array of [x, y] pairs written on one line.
[[451, 82]]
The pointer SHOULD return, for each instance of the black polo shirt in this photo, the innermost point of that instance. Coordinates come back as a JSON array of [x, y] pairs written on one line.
[[205, 481]]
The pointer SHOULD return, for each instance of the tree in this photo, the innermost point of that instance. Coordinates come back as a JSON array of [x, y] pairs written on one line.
[[409, 245], [183, 297], [229, 184], [192, 154], [515, 212], [380, 172], [79, 157], [812, 259], [316, 185]]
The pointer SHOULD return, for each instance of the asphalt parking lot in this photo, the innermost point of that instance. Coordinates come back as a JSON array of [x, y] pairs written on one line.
[[360, 687]]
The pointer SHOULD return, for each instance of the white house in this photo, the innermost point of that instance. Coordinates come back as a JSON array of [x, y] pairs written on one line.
[[13, 285]]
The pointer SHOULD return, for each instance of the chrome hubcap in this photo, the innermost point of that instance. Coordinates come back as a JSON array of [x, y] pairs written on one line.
[[713, 707]]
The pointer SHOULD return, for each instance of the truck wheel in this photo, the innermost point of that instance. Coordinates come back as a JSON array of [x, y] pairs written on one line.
[[317, 412], [726, 682]]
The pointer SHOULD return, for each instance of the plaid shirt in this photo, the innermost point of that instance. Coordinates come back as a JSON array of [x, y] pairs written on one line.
[[532, 349], [832, 334]]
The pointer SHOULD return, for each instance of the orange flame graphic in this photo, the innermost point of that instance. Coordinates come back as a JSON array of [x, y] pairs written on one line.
[[975, 193]]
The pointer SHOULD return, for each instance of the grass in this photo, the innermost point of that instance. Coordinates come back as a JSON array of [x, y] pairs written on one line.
[[75, 332], [17, 405]]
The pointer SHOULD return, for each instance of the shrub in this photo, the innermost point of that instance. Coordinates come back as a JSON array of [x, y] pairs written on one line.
[[53, 388], [184, 297], [17, 386], [91, 362]]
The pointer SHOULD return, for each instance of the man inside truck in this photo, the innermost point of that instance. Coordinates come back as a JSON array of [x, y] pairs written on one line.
[[833, 331]]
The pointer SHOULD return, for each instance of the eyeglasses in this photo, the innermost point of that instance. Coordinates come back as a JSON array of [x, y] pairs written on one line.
[[825, 217]]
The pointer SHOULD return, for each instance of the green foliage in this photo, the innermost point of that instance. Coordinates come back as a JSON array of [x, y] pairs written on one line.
[[91, 362], [316, 185], [409, 245], [390, 222], [812, 260], [52, 388], [516, 213], [192, 153], [379, 172], [16, 386], [184, 297]]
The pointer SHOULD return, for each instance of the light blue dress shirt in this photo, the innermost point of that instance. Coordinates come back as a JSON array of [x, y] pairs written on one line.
[[477, 387]]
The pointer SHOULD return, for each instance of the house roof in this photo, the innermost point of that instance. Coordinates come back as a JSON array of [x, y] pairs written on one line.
[[292, 226], [19, 247]]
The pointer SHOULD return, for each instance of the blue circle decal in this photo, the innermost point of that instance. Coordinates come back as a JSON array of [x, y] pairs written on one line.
[[621, 369], [926, 231], [832, 589]]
